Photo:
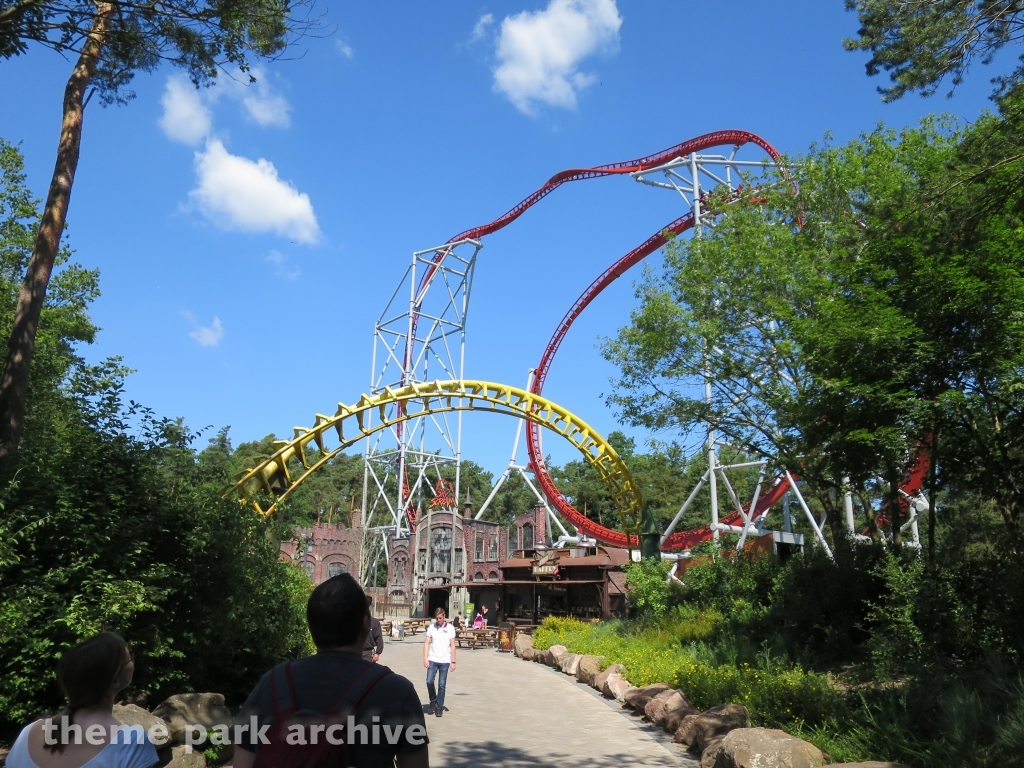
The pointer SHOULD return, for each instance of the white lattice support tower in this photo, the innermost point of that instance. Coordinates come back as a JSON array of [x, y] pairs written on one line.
[[693, 177], [419, 337]]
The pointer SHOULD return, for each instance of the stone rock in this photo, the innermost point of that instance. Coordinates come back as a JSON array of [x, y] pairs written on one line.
[[667, 703], [638, 697], [615, 686], [601, 677], [527, 654], [698, 731], [675, 717], [558, 652], [185, 709], [522, 643], [182, 759], [570, 663], [870, 764], [543, 657], [132, 714], [760, 747], [588, 669]]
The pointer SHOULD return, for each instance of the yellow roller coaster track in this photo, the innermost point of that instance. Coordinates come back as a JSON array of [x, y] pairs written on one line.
[[293, 461]]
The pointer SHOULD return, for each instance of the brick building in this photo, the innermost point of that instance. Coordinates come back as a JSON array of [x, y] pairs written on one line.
[[323, 551], [452, 559]]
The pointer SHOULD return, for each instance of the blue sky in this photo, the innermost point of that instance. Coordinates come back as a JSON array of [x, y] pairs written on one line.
[[248, 238]]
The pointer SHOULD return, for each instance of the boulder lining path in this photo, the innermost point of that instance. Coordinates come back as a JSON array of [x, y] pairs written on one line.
[[503, 712]]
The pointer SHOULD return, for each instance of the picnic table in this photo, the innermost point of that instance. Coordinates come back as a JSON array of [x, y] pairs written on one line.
[[476, 638], [412, 626]]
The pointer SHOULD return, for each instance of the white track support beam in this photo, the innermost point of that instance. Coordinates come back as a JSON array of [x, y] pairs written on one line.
[[810, 516]]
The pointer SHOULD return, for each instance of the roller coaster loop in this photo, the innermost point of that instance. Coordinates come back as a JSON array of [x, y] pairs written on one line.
[[293, 461]]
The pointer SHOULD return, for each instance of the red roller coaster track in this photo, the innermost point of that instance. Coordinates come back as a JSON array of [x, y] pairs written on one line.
[[735, 138]]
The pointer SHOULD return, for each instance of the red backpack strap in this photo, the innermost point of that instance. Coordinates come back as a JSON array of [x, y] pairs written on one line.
[[361, 685], [282, 691]]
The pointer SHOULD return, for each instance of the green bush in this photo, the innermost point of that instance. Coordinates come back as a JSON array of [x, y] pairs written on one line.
[[124, 533], [666, 652], [647, 588]]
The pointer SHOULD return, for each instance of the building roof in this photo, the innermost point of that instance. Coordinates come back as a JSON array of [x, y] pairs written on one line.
[[606, 557]]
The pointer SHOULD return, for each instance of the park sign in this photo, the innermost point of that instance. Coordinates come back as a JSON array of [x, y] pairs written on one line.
[[546, 564]]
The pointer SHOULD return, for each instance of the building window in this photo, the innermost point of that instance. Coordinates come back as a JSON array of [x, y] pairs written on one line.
[[336, 569], [492, 576], [458, 561], [492, 547], [308, 568], [423, 561], [479, 576], [526, 534], [479, 547], [441, 550]]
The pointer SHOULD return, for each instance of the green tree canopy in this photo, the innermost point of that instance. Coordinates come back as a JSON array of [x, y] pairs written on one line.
[[922, 42]]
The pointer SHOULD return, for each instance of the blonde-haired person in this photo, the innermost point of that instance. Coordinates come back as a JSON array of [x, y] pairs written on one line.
[[91, 675]]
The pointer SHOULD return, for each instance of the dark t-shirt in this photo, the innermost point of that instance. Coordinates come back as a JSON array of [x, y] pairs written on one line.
[[320, 679], [374, 641]]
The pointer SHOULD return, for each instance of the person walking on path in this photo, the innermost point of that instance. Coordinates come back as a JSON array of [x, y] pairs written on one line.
[[438, 658], [374, 645]]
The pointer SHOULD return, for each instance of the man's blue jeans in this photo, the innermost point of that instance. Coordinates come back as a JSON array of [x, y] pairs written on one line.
[[437, 697]]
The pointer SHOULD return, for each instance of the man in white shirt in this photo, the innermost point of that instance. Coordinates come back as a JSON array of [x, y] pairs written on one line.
[[438, 658]]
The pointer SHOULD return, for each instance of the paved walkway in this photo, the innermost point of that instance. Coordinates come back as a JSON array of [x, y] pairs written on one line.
[[503, 712]]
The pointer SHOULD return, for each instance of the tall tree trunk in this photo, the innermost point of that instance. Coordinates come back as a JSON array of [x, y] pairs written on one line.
[[22, 342]]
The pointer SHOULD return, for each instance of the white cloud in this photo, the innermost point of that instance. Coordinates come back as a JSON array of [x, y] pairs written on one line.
[[207, 336], [236, 193], [185, 118], [481, 27], [282, 268], [344, 49], [263, 104], [539, 52]]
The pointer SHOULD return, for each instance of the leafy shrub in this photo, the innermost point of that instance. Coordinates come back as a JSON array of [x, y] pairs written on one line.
[[647, 588]]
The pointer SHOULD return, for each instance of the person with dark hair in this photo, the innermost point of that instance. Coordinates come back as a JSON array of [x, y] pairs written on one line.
[[438, 658], [374, 646], [353, 710], [90, 674]]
